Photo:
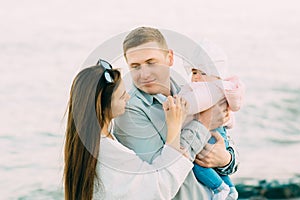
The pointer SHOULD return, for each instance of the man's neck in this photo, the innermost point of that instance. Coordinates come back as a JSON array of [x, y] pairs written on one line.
[[167, 92]]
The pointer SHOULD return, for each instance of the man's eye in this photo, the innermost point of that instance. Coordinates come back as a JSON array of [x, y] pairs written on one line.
[[151, 63], [135, 67], [203, 73], [194, 73]]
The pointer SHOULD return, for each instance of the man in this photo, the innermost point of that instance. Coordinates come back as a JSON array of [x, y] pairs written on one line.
[[143, 124]]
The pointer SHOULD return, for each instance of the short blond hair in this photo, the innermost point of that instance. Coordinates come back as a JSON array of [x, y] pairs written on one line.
[[142, 35]]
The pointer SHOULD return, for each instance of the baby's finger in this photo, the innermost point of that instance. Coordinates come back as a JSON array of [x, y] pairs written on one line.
[[166, 105], [171, 101], [178, 101], [184, 103]]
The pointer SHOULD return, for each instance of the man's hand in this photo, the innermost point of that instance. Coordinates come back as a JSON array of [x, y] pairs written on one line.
[[214, 117], [214, 155]]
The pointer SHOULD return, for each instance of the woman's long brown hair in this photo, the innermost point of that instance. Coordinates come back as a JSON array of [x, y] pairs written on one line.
[[89, 108]]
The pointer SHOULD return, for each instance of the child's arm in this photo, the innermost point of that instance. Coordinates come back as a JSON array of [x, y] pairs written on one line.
[[234, 91], [202, 95]]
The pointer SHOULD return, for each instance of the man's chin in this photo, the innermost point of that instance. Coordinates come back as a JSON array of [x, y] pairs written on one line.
[[149, 90]]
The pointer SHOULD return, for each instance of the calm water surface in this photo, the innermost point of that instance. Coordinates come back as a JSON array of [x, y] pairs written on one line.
[[43, 44]]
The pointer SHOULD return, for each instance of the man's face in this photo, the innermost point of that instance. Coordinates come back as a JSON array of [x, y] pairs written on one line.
[[150, 67]]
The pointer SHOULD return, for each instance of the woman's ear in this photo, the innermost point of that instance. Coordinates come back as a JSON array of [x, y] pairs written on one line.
[[170, 58]]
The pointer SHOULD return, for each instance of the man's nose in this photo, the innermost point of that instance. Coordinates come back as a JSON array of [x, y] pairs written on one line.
[[145, 72]]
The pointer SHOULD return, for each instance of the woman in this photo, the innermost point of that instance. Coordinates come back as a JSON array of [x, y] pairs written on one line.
[[97, 166]]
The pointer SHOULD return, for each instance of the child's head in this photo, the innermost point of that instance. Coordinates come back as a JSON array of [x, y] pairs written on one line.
[[200, 76]]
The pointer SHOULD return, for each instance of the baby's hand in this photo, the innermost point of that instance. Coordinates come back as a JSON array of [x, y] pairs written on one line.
[[215, 116], [175, 110]]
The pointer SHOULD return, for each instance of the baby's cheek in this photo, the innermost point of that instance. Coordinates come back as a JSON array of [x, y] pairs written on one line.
[[194, 78]]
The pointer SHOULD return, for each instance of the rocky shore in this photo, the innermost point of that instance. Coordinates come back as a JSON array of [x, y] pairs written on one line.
[[269, 189]]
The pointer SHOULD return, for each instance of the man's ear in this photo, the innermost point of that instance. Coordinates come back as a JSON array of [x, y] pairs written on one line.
[[170, 57]]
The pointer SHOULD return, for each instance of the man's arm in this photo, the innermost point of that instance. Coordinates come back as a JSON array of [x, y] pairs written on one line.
[[233, 165], [217, 156], [225, 161]]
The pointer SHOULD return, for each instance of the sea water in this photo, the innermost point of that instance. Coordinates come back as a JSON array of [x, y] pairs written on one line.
[[43, 44]]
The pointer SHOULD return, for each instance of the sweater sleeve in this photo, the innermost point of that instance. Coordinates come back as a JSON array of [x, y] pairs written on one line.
[[122, 168], [193, 138], [202, 95], [234, 90]]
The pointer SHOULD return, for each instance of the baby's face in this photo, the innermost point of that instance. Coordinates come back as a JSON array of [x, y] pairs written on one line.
[[198, 76]]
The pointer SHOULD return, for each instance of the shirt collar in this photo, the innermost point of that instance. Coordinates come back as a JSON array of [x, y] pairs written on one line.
[[148, 98], [174, 87]]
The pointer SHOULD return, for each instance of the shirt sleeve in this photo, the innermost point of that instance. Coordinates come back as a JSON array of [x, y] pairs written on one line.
[[202, 95], [233, 165], [169, 180], [234, 91], [193, 138], [159, 180]]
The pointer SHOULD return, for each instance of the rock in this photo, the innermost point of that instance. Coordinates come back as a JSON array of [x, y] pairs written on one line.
[[269, 190]]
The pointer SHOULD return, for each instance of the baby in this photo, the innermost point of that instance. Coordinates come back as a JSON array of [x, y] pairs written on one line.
[[202, 93]]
